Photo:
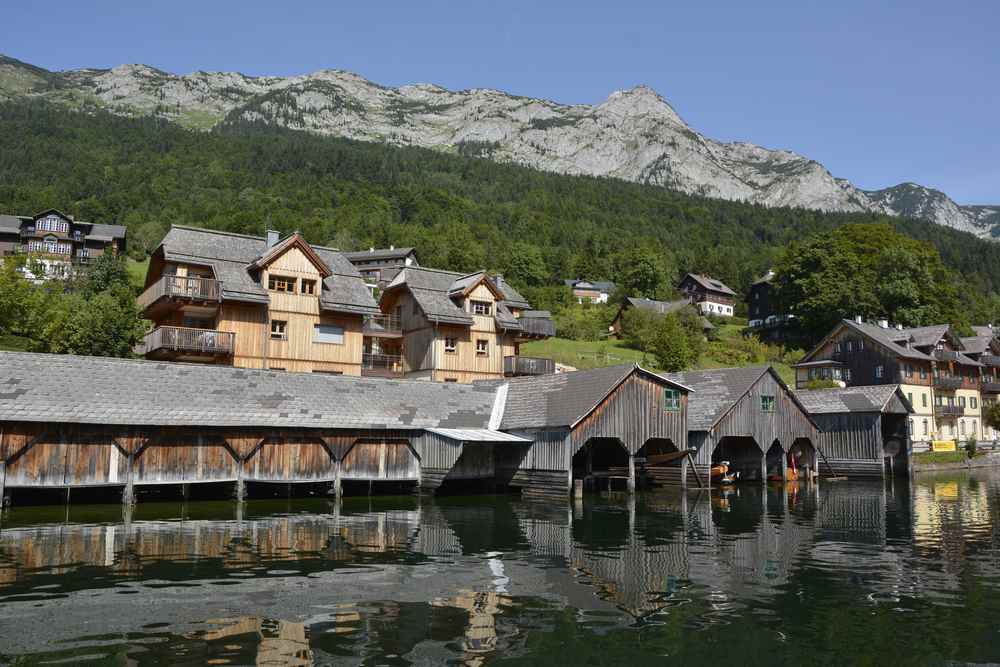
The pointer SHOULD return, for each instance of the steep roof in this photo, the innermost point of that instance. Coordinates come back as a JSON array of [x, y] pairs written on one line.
[[985, 330], [868, 398], [231, 256], [378, 253], [100, 390], [925, 336], [976, 344], [716, 391], [96, 231], [709, 283], [891, 339], [564, 399], [433, 290]]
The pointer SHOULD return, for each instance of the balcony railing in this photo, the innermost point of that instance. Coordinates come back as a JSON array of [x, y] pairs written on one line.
[[946, 355], [195, 289], [537, 326], [947, 382], [382, 365], [192, 341], [991, 360], [382, 325], [514, 366], [990, 387], [949, 410]]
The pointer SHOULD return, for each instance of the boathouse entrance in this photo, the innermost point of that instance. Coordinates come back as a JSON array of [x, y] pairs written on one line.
[[744, 455], [602, 464], [660, 463]]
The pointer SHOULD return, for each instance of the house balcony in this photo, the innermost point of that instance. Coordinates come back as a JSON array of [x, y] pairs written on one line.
[[947, 383], [990, 388], [177, 292], [382, 326], [991, 360], [517, 366], [382, 365], [948, 411], [536, 327], [184, 343], [946, 355]]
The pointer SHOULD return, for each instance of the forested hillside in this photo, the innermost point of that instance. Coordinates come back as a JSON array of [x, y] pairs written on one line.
[[460, 212]]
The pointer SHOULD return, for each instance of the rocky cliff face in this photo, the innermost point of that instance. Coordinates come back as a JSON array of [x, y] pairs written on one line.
[[634, 135]]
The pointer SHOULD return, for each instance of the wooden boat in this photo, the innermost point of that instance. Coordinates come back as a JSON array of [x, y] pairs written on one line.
[[720, 474]]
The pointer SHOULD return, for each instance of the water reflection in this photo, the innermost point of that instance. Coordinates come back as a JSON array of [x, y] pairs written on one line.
[[841, 572]]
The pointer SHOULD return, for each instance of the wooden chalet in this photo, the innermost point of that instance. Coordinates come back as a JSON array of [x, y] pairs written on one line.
[[464, 327], [57, 242], [863, 430], [593, 426], [591, 291], [710, 296], [378, 266], [748, 417]]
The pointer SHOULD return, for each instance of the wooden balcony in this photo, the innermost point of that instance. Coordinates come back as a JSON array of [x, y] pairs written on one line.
[[536, 327], [990, 387], [182, 342], [382, 326], [947, 383], [949, 410], [991, 360], [176, 291], [946, 355], [382, 365], [517, 366]]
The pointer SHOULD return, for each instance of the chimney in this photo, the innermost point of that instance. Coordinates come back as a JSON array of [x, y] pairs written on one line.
[[272, 238], [392, 247], [857, 318], [498, 280], [883, 324], [899, 327], [371, 249]]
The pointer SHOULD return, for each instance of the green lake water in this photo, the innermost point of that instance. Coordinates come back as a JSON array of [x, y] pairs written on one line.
[[843, 573]]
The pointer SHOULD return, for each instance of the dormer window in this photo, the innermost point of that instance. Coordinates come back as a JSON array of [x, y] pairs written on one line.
[[481, 307], [280, 284], [308, 287]]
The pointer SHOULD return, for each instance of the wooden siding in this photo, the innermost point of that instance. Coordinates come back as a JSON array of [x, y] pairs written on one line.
[[852, 444]]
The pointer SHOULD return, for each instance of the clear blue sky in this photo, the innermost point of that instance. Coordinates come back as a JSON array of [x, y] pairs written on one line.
[[879, 92]]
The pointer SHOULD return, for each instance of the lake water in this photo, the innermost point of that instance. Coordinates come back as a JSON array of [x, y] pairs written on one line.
[[846, 573]]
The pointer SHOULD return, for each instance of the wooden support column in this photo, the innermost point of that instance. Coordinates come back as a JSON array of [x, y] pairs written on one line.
[[128, 495], [338, 486], [631, 473], [240, 484], [3, 484]]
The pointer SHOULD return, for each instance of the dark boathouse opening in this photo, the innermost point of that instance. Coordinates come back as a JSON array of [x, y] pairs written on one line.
[[602, 463], [659, 463], [744, 456], [805, 457], [895, 444]]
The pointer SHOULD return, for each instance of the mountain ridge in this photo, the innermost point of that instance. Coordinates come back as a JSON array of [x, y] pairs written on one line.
[[635, 134]]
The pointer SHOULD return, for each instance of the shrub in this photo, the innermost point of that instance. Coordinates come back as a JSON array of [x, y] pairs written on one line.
[[971, 445]]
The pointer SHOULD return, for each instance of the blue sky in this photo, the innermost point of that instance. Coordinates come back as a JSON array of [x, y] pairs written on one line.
[[879, 92]]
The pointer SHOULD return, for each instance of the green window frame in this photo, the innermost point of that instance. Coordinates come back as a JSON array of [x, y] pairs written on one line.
[[671, 400], [767, 403]]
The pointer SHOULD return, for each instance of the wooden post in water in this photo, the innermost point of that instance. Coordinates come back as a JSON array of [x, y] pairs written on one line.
[[128, 496], [3, 484], [631, 473], [338, 487]]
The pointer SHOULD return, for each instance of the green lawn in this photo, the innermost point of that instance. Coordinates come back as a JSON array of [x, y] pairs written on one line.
[[944, 457], [727, 350], [137, 271], [12, 343]]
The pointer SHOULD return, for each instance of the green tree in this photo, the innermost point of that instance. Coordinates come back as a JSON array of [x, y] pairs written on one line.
[[526, 266], [992, 416], [672, 346]]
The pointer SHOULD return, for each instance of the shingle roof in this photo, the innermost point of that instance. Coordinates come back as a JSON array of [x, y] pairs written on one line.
[[715, 392], [710, 283], [97, 231], [925, 336], [97, 390], [546, 401], [869, 398], [984, 330], [665, 307], [378, 253], [977, 344], [766, 278], [230, 256], [10, 224], [600, 285], [106, 231], [890, 338]]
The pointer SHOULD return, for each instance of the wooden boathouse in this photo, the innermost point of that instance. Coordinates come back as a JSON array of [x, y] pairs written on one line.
[[592, 426], [864, 429], [70, 421], [746, 416]]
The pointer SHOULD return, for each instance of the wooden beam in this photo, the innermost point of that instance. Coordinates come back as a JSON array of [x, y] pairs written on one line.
[[694, 468], [631, 474]]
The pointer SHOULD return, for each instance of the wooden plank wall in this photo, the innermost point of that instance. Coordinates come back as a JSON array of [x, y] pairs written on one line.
[[852, 443]]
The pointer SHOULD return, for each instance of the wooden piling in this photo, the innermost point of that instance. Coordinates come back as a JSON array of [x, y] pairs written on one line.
[[631, 473]]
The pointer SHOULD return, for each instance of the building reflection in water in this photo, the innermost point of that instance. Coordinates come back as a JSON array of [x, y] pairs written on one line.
[[453, 577]]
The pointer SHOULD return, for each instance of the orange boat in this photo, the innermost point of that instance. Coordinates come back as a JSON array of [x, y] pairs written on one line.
[[720, 474]]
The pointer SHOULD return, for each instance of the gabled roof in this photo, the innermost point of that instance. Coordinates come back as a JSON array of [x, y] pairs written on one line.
[[976, 344], [295, 240], [99, 390], [663, 308], [709, 283], [600, 285], [891, 339], [765, 279], [868, 398], [718, 390], [926, 336], [985, 330], [231, 257], [563, 399], [96, 231], [434, 289], [464, 285]]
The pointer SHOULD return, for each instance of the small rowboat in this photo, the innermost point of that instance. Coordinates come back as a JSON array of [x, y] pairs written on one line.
[[720, 474]]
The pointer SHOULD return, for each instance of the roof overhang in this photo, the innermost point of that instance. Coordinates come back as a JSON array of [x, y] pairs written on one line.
[[477, 435]]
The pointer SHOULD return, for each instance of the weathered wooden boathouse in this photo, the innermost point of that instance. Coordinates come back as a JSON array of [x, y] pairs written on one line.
[[746, 416], [863, 430], [69, 421], [594, 426]]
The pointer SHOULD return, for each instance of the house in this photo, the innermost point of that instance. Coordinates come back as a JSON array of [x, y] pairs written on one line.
[[863, 430], [748, 417], [941, 382], [57, 242], [761, 309], [261, 302], [711, 296], [984, 347], [462, 327], [657, 307], [594, 291], [378, 266]]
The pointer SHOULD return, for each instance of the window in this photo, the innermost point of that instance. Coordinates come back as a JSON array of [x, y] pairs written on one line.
[[961, 427], [451, 379], [849, 346], [973, 402], [279, 330], [275, 368], [912, 426], [861, 344], [879, 371], [961, 401], [767, 403], [923, 400], [909, 370], [909, 397], [308, 286], [847, 375], [812, 373], [280, 284], [925, 427], [837, 348], [923, 373], [328, 333], [975, 427], [481, 307], [450, 345], [671, 400], [482, 347]]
